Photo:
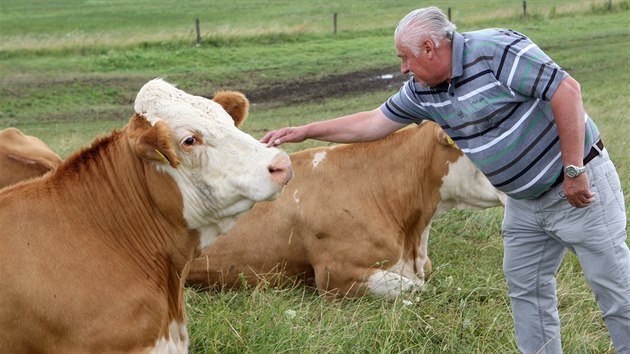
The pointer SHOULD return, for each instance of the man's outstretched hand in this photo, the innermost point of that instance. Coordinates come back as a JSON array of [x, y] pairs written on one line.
[[284, 135]]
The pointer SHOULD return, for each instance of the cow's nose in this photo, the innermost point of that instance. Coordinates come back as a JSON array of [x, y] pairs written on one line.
[[281, 169]]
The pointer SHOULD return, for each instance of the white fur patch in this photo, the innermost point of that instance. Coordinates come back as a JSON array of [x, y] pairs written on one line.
[[466, 187], [423, 252], [389, 284], [207, 235], [177, 341], [319, 157], [296, 198]]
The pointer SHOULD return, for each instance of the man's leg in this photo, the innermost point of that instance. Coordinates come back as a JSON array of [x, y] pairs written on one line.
[[531, 260], [597, 234]]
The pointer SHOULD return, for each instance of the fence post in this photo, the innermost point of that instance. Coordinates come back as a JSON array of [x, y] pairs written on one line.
[[335, 23], [198, 32], [524, 8], [449, 13], [609, 5]]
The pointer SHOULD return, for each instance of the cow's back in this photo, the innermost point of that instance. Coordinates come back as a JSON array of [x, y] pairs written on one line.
[[23, 157]]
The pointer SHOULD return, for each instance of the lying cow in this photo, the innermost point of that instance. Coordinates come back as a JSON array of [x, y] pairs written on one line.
[[91, 255], [23, 157], [355, 218]]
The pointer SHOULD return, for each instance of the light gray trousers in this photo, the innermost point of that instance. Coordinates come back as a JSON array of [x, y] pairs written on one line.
[[536, 234]]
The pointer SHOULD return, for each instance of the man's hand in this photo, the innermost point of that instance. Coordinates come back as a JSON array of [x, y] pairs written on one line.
[[577, 192], [284, 135]]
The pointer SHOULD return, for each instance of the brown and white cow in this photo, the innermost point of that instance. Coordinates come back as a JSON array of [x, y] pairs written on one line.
[[92, 255], [355, 218], [23, 157]]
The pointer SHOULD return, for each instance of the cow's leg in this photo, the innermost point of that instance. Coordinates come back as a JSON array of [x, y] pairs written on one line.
[[390, 284], [383, 283], [423, 263], [339, 281], [428, 268]]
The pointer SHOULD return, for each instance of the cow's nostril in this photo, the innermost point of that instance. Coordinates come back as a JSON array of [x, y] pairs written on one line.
[[281, 170]]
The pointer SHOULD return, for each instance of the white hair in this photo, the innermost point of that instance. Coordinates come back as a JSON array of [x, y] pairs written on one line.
[[421, 24]]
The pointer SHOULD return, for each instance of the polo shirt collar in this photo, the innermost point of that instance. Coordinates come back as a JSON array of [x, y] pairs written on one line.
[[457, 58]]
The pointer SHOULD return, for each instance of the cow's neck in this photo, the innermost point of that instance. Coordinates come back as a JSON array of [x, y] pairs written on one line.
[[137, 208], [404, 181]]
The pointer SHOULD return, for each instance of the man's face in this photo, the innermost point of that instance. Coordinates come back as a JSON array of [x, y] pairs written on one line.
[[423, 66]]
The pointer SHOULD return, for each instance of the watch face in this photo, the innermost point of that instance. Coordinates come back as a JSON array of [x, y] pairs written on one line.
[[573, 171]]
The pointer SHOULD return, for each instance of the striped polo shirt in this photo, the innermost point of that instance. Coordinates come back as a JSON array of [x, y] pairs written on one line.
[[497, 109]]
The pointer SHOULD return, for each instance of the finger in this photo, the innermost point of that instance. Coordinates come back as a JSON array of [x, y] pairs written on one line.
[[587, 197], [265, 139], [578, 204], [588, 200], [583, 200], [273, 142], [271, 139]]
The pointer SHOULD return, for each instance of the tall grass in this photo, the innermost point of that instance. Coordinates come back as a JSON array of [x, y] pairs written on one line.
[[69, 71]]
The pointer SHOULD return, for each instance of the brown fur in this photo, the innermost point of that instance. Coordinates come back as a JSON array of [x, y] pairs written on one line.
[[234, 103], [92, 255], [97, 264], [358, 210], [23, 157]]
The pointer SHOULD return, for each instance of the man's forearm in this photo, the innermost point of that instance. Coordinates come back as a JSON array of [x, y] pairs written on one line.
[[568, 111]]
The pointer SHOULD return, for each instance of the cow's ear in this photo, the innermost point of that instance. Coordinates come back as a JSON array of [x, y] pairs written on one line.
[[444, 139], [151, 142], [234, 103]]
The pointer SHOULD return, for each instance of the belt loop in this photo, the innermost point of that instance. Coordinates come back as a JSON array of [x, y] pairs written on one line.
[[596, 147]]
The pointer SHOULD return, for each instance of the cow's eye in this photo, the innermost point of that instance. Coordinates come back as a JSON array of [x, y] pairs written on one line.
[[189, 141]]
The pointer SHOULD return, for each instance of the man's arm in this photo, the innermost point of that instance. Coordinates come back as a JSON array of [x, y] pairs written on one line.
[[568, 111], [362, 126]]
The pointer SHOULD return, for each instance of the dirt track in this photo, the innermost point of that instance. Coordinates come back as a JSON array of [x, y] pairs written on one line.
[[116, 106], [300, 91]]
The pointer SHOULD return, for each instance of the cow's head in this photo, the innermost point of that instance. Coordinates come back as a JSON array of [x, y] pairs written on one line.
[[465, 186], [220, 170]]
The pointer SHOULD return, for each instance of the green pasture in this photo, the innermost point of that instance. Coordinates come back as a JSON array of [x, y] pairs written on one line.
[[69, 71]]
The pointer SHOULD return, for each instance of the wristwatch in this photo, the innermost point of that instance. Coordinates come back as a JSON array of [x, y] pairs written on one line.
[[574, 171]]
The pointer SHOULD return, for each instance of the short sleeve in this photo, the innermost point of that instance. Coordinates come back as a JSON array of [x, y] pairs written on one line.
[[403, 106], [524, 67]]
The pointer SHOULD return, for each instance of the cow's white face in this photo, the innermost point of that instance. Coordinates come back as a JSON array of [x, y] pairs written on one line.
[[466, 187], [223, 170]]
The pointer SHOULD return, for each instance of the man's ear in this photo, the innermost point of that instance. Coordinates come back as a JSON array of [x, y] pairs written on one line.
[[151, 142], [234, 103], [427, 48]]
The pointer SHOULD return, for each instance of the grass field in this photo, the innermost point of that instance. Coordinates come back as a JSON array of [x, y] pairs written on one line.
[[69, 71]]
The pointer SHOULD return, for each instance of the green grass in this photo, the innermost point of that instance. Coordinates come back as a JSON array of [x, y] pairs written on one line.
[[69, 71], [62, 24]]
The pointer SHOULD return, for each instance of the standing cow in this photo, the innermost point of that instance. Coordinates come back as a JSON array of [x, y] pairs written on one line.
[[355, 218], [23, 157], [92, 256]]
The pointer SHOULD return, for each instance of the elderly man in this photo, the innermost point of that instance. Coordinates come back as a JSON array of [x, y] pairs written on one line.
[[520, 119]]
